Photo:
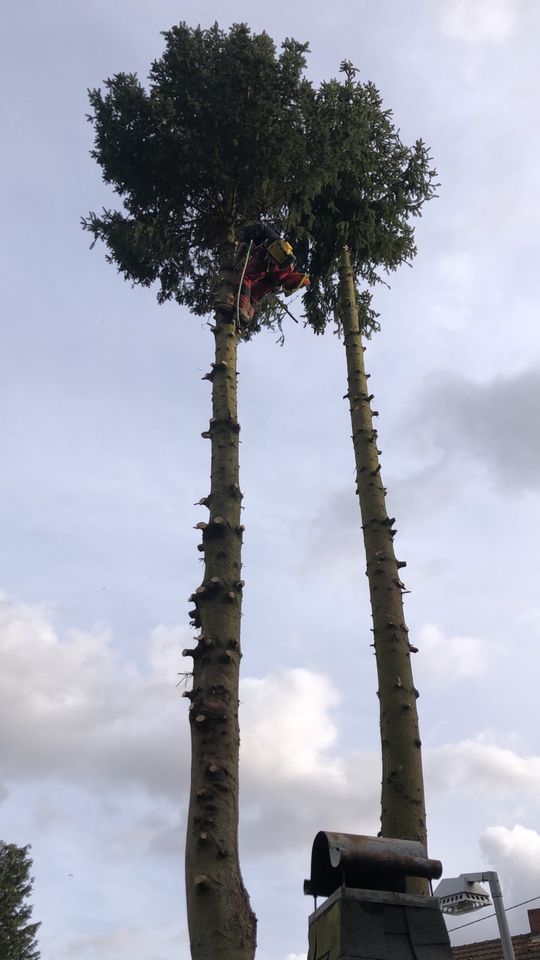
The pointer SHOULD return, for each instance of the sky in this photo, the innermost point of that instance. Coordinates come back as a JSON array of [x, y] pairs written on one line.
[[101, 410]]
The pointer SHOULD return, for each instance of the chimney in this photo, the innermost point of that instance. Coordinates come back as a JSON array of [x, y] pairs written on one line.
[[534, 922]]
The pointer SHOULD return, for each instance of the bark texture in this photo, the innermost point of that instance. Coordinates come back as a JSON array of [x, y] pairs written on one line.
[[403, 806], [221, 922]]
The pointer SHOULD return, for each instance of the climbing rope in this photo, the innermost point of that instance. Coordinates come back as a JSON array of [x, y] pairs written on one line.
[[240, 286]]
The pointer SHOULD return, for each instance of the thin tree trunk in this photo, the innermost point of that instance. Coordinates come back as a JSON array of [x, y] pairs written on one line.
[[221, 922], [402, 801]]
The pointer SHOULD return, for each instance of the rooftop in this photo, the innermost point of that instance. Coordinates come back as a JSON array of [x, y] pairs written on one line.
[[526, 945]]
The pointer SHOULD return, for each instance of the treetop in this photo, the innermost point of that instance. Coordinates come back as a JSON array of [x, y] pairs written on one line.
[[215, 139], [228, 130]]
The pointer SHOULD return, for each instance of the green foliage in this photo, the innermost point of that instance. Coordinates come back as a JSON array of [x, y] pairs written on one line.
[[17, 934], [372, 185], [216, 139], [227, 131]]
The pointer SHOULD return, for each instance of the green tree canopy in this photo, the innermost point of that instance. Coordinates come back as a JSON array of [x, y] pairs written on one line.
[[218, 137], [371, 186], [17, 933]]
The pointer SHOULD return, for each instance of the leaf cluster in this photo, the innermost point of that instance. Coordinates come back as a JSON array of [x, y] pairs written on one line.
[[17, 934], [372, 187], [216, 139], [228, 131]]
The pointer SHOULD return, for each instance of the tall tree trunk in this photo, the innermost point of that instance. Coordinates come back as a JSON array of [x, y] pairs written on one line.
[[221, 922], [402, 801]]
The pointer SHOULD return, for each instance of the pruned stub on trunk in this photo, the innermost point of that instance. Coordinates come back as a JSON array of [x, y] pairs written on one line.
[[403, 807], [213, 879]]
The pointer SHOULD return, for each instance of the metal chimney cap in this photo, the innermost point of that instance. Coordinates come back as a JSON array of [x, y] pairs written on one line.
[[369, 863]]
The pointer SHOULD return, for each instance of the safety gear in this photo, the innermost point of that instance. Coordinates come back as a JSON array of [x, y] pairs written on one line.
[[264, 265], [259, 234], [281, 252]]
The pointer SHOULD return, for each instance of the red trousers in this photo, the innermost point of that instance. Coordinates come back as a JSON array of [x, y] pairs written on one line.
[[260, 279]]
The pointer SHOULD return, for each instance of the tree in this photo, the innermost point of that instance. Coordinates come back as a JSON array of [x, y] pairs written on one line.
[[358, 225], [17, 934], [215, 140]]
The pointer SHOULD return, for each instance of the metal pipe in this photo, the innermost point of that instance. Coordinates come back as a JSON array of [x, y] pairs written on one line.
[[496, 893]]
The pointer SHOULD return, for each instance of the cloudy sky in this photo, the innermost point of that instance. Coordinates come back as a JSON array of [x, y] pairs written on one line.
[[101, 411]]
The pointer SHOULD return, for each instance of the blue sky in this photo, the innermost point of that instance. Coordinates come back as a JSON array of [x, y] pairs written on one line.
[[101, 411]]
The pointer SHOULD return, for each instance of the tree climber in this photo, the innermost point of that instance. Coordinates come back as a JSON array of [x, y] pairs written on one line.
[[264, 264]]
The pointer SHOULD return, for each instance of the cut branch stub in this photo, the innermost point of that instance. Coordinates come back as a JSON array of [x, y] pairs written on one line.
[[202, 882], [215, 528], [230, 423], [220, 365], [190, 652], [216, 582]]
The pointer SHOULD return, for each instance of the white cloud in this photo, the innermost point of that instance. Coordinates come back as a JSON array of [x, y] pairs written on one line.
[[82, 713], [130, 942], [480, 766], [480, 21], [288, 729], [73, 708], [515, 854], [449, 658], [504, 847], [293, 782]]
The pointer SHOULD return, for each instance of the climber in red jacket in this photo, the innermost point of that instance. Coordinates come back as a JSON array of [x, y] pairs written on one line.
[[264, 264]]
